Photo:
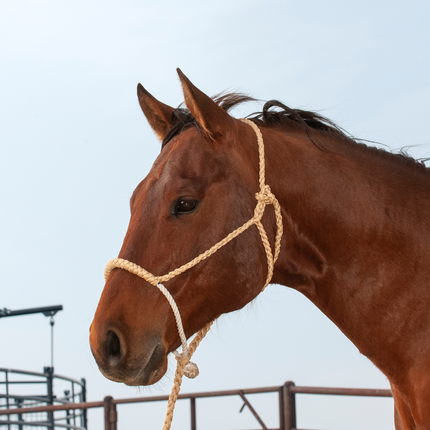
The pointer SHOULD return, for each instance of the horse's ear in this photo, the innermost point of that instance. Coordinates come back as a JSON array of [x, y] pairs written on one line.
[[213, 119], [158, 114]]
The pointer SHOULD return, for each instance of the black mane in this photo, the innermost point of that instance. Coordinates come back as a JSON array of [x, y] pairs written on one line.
[[277, 114]]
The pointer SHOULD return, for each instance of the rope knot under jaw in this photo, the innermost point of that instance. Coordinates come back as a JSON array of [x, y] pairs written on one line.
[[191, 369], [265, 195]]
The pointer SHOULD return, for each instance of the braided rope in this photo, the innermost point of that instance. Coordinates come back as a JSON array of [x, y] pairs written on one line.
[[264, 197], [180, 369], [120, 263]]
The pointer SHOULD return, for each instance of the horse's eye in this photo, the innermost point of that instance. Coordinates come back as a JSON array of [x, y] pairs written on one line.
[[185, 206]]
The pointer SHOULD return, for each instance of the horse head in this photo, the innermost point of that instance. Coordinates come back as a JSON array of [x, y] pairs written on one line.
[[201, 187]]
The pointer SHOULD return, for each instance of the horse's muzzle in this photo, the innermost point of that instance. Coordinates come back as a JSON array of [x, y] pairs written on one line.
[[133, 362]]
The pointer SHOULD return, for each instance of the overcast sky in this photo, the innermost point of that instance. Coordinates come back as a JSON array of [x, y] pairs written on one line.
[[74, 144]]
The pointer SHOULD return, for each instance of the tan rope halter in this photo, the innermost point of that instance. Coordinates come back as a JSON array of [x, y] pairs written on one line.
[[184, 366]]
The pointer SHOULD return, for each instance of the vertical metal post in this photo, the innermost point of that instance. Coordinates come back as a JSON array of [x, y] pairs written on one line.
[[6, 379], [281, 408], [73, 400], [20, 417], [289, 406], [68, 417], [107, 405], [49, 372], [113, 417], [84, 418], [193, 413], [52, 322], [67, 399]]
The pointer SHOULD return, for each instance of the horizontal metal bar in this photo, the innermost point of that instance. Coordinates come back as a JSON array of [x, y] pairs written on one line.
[[198, 395], [46, 310], [27, 423], [68, 417], [341, 391], [40, 424], [37, 374], [39, 399], [293, 389], [65, 378], [52, 408], [21, 382], [22, 372]]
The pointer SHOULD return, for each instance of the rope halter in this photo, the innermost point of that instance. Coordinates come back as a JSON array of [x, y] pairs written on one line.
[[264, 197]]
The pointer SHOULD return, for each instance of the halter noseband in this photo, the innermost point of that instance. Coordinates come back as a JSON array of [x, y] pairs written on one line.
[[264, 197]]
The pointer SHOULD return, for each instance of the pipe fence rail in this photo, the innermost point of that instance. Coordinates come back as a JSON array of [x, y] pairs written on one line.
[[286, 404], [22, 391]]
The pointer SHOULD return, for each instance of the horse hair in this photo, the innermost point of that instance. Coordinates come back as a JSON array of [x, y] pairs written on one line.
[[277, 114]]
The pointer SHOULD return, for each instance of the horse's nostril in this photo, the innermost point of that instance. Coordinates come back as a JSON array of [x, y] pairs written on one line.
[[113, 348]]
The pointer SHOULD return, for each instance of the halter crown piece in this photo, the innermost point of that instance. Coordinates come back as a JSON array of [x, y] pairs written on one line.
[[184, 365]]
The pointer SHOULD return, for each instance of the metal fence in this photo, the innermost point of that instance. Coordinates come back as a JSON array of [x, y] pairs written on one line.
[[22, 391], [286, 403]]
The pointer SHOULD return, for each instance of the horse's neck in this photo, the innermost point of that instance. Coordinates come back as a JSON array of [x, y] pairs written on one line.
[[353, 241]]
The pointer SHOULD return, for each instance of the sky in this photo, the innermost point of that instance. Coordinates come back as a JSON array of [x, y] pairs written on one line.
[[74, 145]]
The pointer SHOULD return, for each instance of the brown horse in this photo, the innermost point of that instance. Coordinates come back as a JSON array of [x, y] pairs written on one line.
[[355, 241]]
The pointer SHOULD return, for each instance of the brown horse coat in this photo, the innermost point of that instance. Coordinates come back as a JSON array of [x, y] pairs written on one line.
[[356, 222]]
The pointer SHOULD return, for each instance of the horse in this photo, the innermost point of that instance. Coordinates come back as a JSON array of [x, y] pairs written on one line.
[[354, 242]]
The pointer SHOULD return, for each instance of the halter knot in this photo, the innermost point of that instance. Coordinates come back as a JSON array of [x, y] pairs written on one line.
[[265, 195], [190, 369]]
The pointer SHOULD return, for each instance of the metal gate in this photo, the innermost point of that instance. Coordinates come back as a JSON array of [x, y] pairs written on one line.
[[22, 390]]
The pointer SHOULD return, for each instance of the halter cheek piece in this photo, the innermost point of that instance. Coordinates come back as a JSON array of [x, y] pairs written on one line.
[[264, 197]]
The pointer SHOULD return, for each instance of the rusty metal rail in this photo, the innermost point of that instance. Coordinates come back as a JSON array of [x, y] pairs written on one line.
[[286, 400]]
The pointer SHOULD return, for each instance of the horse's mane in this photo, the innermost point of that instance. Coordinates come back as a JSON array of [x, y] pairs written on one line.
[[277, 114]]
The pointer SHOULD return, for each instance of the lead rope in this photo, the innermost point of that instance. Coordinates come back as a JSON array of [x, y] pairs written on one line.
[[184, 365]]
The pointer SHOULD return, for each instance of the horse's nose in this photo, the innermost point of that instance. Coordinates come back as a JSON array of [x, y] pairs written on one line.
[[109, 347], [140, 359], [114, 348]]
